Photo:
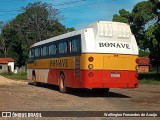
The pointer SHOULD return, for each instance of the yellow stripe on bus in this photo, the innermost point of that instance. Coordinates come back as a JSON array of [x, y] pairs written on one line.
[[109, 61], [53, 63], [100, 62]]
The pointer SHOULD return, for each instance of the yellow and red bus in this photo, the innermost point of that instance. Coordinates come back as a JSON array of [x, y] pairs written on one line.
[[100, 56]]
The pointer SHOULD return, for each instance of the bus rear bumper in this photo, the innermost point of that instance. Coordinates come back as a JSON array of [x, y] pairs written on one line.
[[106, 79]]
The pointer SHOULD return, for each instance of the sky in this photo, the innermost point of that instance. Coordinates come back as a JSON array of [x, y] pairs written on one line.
[[77, 13]]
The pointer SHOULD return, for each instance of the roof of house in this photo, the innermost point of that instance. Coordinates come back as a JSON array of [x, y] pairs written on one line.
[[6, 60], [143, 61]]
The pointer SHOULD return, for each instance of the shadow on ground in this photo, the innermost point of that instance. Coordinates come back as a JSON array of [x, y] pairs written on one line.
[[82, 92]]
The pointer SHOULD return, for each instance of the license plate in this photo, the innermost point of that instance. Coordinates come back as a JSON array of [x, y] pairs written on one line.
[[115, 75]]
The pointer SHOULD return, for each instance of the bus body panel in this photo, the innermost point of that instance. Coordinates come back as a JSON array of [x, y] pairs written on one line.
[[104, 65], [103, 79], [111, 45]]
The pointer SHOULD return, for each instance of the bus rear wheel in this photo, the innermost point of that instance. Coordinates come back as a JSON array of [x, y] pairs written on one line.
[[62, 86]]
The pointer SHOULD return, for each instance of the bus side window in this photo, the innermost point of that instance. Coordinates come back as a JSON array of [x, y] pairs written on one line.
[[65, 47], [44, 51], [61, 47], [31, 53], [37, 52], [75, 45], [52, 49], [70, 46]]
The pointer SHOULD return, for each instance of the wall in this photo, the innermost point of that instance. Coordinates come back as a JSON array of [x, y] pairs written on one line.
[[143, 69], [12, 66], [3, 68]]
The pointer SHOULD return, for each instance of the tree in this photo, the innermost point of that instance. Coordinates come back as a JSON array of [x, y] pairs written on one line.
[[1, 46], [6, 39], [138, 19], [124, 16], [144, 21], [34, 22], [39, 21]]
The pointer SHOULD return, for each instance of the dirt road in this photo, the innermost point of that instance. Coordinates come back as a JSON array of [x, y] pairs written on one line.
[[21, 96]]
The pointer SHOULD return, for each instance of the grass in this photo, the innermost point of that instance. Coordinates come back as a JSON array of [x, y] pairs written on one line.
[[149, 78], [18, 76]]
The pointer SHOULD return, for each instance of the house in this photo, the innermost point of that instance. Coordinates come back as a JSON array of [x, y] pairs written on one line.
[[6, 65], [143, 64]]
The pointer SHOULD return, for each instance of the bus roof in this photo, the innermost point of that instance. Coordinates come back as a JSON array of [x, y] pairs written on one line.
[[77, 32], [105, 36]]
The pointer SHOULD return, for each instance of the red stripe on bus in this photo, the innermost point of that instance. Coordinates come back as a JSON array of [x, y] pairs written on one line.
[[100, 78]]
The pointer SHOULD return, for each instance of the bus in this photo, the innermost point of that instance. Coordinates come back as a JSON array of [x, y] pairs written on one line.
[[101, 56]]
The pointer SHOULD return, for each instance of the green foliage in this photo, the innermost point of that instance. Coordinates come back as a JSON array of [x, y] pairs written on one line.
[[124, 16], [37, 22], [149, 78], [143, 12], [144, 21], [18, 76], [144, 53]]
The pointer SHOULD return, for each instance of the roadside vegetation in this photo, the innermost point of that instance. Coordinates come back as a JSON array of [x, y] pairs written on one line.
[[149, 78], [17, 76]]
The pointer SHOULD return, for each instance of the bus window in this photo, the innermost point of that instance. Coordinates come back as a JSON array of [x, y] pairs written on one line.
[[69, 46], [65, 47], [75, 45], [52, 49], [37, 52], [61, 47], [44, 51], [31, 53]]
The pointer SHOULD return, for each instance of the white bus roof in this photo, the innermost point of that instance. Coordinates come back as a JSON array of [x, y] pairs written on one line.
[[103, 37]]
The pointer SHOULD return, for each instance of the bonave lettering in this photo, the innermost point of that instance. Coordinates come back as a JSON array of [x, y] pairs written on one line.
[[115, 45], [59, 63]]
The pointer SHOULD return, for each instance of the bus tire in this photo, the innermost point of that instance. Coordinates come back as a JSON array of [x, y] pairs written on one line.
[[35, 83], [62, 86]]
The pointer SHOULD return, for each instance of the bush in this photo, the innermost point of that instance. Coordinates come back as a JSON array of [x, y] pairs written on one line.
[[149, 78]]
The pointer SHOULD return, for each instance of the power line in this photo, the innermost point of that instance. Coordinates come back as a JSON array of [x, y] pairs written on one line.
[[83, 5], [10, 10], [72, 2], [5, 10], [88, 4], [12, 0], [8, 14]]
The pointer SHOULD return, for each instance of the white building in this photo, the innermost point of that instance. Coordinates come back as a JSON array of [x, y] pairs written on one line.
[[6, 65]]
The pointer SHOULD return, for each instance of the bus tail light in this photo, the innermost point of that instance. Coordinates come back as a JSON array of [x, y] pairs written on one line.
[[90, 74], [137, 60], [90, 59], [90, 66]]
